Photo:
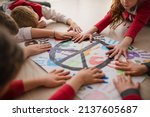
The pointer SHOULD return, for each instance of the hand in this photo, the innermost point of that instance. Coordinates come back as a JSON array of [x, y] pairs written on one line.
[[117, 50], [64, 35], [80, 37], [123, 84], [55, 78], [36, 49], [90, 76], [74, 27], [131, 68], [41, 24], [120, 49]]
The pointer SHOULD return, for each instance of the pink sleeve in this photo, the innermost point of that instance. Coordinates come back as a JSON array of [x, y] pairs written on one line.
[[141, 19], [102, 24], [66, 92], [16, 88]]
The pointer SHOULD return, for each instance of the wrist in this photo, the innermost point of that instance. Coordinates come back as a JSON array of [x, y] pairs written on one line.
[[144, 68], [126, 41]]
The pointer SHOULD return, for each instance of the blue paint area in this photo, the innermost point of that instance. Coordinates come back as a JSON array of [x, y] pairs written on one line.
[[104, 48], [50, 63], [105, 77], [88, 86]]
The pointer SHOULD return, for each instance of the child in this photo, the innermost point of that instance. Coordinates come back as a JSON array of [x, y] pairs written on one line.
[[133, 69], [28, 14], [28, 32], [135, 11], [8, 24]]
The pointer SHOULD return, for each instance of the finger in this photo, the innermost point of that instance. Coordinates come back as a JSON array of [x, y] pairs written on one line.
[[110, 46], [64, 77], [132, 73], [64, 73], [53, 71], [129, 79], [78, 38], [124, 68], [75, 37], [59, 71], [115, 82], [99, 75], [91, 38], [113, 54], [67, 36], [121, 63], [118, 55], [125, 54], [81, 39], [110, 51], [137, 85], [98, 81], [69, 29]]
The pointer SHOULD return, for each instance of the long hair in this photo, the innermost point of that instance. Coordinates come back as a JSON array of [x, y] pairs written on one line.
[[116, 12]]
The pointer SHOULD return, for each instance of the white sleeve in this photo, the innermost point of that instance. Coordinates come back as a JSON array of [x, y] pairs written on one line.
[[24, 34], [49, 13]]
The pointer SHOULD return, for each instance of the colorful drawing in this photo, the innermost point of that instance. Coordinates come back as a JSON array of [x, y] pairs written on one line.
[[73, 56]]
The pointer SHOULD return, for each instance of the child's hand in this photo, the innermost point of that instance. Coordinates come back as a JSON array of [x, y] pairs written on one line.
[[117, 50], [55, 78], [123, 83], [65, 35], [35, 49], [131, 68], [90, 76], [120, 49], [74, 27], [41, 24], [80, 37]]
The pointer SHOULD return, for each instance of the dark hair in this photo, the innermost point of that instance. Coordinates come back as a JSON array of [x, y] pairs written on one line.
[[9, 23], [11, 58]]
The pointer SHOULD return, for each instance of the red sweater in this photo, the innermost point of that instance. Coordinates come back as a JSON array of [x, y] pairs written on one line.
[[35, 6], [66, 92], [140, 19]]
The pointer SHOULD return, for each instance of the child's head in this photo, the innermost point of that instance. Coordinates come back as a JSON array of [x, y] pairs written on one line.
[[118, 7], [25, 16], [11, 59], [7, 22]]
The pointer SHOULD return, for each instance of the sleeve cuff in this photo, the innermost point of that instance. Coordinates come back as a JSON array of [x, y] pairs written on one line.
[[131, 94]]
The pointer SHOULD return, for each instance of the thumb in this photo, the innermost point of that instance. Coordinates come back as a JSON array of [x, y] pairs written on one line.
[[70, 28], [90, 36]]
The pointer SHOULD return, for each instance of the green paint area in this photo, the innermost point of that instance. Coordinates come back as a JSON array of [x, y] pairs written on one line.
[[120, 72], [67, 44]]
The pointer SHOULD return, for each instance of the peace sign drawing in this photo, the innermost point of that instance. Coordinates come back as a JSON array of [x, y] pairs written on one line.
[[75, 56]]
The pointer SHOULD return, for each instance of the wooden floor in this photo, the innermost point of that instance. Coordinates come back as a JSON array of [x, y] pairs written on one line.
[[86, 13]]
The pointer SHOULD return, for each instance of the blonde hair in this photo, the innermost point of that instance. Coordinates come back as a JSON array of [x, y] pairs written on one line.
[[25, 17]]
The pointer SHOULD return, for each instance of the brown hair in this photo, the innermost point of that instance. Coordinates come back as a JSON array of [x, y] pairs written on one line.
[[11, 58], [116, 13], [25, 17], [9, 23]]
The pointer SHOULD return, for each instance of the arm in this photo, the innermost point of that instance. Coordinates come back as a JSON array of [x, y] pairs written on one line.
[[15, 89], [49, 13], [85, 76], [102, 24], [141, 19]]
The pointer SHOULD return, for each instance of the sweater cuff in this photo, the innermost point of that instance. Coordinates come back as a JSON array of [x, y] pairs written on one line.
[[148, 67], [131, 94]]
